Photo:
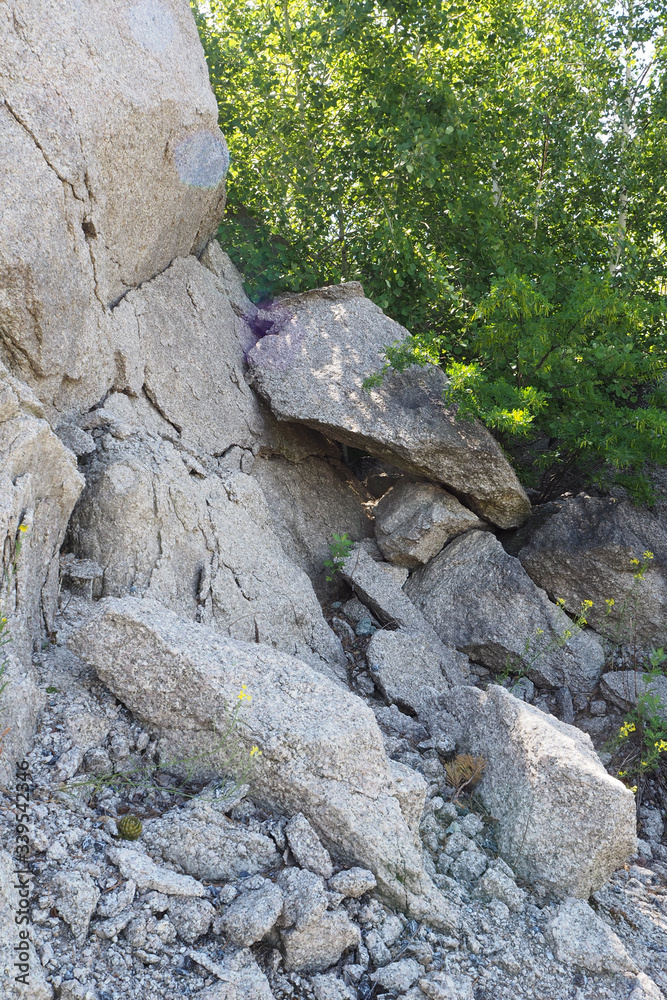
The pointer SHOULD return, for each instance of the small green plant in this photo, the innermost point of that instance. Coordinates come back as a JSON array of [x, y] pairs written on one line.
[[620, 634], [339, 548], [129, 827], [640, 748], [541, 645]]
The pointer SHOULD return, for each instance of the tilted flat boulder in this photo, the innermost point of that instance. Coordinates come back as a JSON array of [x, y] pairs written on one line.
[[584, 551], [481, 600], [310, 368], [113, 165], [414, 520], [203, 545], [380, 592], [563, 822], [322, 752]]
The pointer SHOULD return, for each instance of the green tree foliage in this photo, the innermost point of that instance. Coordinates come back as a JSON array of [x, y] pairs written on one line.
[[493, 173]]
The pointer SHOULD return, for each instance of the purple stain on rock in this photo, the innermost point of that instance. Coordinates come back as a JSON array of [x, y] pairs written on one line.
[[202, 160], [280, 345]]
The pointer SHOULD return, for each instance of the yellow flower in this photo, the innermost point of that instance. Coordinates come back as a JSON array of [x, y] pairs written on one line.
[[244, 695], [648, 555], [661, 746], [634, 789], [587, 604], [24, 527], [610, 602], [255, 752]]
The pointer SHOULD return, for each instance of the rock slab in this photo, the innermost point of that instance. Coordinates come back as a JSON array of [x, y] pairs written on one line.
[[311, 365], [480, 600], [582, 938], [322, 752], [414, 520], [625, 687], [563, 822], [582, 549]]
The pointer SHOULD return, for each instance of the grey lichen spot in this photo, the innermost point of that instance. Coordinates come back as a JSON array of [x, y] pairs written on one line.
[[202, 159], [152, 25]]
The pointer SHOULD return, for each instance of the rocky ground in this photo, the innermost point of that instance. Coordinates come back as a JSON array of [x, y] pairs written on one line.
[[269, 912], [174, 464]]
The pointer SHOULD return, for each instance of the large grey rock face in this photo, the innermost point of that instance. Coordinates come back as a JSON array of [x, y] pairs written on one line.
[[563, 822], [480, 600], [113, 164], [203, 545], [414, 520], [177, 340], [310, 501], [310, 368], [322, 752], [39, 485], [583, 551]]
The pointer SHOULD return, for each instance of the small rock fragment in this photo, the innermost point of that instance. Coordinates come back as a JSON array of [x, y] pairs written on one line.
[[398, 976], [252, 915], [330, 987], [469, 865], [583, 939], [441, 986], [414, 520], [321, 943], [305, 898], [307, 847], [76, 899], [147, 875], [113, 925], [354, 882], [496, 884], [192, 918], [111, 904]]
